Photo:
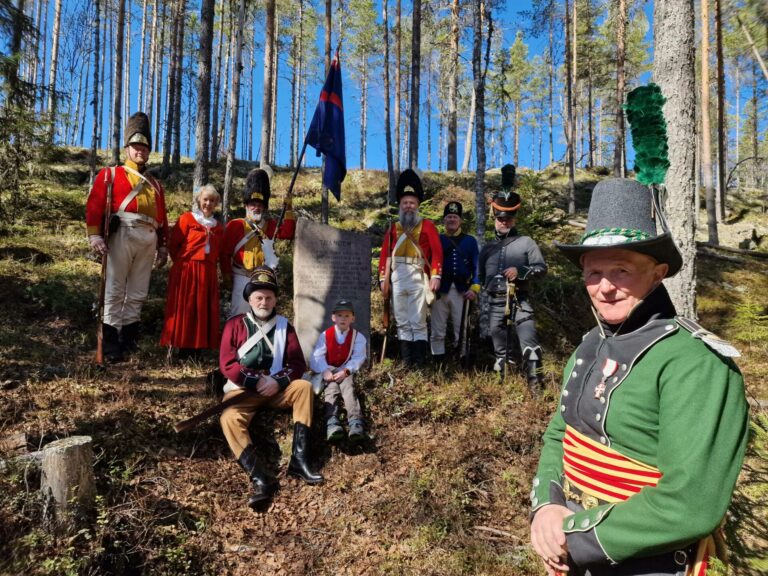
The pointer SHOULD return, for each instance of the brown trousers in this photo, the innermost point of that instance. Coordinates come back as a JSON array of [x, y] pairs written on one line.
[[236, 419]]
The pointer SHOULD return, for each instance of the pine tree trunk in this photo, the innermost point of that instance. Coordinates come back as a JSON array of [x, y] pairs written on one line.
[[294, 93], [117, 91], [72, 140], [95, 101], [81, 112], [706, 133], [266, 109], [570, 120], [453, 81], [233, 116], [227, 78], [179, 85], [102, 83], [722, 149], [481, 15], [202, 125], [172, 92], [214, 155], [127, 66], [387, 119], [398, 54], [159, 74], [149, 95], [428, 111], [363, 113], [273, 112], [52, 74], [673, 71], [516, 139], [413, 151], [621, 28], [142, 55], [590, 112], [551, 88]]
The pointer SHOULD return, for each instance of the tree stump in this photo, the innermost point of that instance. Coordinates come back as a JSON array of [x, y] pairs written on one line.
[[67, 478]]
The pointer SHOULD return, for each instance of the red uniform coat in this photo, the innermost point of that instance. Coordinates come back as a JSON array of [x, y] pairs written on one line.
[[429, 242], [235, 334], [238, 228], [150, 205], [192, 307]]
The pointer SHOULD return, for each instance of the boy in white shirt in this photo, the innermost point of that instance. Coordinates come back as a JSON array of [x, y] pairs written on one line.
[[339, 353]]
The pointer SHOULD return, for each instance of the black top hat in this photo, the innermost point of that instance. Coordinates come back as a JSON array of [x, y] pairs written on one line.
[[623, 214], [453, 208], [508, 176], [409, 184], [137, 130], [506, 202], [262, 278], [257, 187], [343, 306]]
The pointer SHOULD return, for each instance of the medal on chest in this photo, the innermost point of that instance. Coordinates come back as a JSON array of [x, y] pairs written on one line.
[[609, 369]]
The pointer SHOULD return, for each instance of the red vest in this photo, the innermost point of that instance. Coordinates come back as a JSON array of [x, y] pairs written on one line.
[[337, 354]]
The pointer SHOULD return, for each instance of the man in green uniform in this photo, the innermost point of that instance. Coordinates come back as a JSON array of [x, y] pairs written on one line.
[[641, 457]]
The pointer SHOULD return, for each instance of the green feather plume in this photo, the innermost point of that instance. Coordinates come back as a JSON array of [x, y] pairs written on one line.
[[649, 133]]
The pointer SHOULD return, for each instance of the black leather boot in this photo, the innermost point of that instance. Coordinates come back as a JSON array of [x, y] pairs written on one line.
[[419, 354], [534, 370], [298, 466], [264, 484], [129, 338], [406, 352], [110, 344]]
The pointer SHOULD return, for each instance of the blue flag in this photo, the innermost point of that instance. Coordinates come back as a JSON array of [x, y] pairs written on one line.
[[326, 132]]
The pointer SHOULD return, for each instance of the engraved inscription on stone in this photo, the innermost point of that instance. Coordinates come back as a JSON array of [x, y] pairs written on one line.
[[329, 264]]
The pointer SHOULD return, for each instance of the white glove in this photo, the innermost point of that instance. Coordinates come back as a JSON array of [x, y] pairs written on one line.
[[270, 258], [97, 244]]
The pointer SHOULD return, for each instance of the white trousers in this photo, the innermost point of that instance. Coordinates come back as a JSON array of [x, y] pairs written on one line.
[[129, 266], [451, 306], [238, 304], [409, 302]]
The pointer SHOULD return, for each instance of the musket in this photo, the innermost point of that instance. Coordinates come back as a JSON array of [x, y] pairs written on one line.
[[510, 311], [197, 419], [387, 312], [289, 194], [103, 277], [464, 332]]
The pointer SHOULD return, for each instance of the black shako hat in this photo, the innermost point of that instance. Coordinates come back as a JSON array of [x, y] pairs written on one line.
[[453, 208], [506, 202], [508, 176], [262, 278], [137, 130], [623, 214], [257, 187], [409, 184]]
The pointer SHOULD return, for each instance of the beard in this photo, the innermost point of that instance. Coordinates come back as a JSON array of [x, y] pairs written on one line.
[[262, 313], [409, 220]]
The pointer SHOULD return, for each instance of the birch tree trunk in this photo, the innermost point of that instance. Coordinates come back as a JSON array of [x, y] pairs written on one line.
[[117, 91], [142, 51], [398, 54], [149, 95], [159, 74], [214, 155], [363, 113], [52, 74], [722, 146], [178, 85], [470, 132], [233, 116], [673, 71], [481, 15], [202, 126], [570, 120]]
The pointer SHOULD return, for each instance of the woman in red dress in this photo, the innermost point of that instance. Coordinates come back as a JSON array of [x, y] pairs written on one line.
[[192, 308]]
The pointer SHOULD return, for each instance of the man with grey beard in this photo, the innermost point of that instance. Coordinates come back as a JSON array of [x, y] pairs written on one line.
[[410, 266]]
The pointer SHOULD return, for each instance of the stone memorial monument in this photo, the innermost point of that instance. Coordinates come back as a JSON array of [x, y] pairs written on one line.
[[329, 264]]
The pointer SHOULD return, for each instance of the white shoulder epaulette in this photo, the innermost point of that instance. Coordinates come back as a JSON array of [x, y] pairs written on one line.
[[717, 344]]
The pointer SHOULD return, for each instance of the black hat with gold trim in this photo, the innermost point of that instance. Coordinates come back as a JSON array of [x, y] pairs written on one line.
[[506, 202], [453, 208], [262, 278], [625, 214], [257, 187], [409, 184], [137, 130]]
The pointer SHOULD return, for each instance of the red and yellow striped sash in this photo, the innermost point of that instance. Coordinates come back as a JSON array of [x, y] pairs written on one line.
[[604, 473], [601, 471]]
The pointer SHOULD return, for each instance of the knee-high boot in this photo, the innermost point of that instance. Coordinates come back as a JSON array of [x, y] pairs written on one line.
[[298, 466], [264, 484]]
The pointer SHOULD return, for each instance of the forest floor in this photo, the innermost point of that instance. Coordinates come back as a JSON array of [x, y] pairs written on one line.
[[440, 489]]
